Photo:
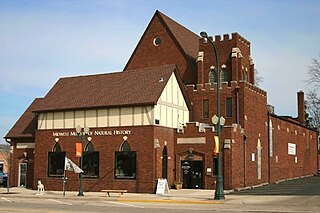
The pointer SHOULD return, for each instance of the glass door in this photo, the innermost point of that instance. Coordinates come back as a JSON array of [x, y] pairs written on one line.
[[22, 175]]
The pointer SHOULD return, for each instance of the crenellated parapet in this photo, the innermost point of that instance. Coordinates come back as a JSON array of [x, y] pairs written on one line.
[[226, 37], [207, 87], [252, 88]]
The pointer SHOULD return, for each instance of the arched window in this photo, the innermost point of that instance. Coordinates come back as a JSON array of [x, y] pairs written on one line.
[[246, 76], [212, 76], [125, 147], [89, 147], [165, 163], [56, 148], [90, 164], [125, 162], [56, 160], [225, 75]]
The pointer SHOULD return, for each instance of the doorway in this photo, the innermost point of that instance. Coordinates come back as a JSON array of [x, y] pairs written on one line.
[[22, 175], [192, 173]]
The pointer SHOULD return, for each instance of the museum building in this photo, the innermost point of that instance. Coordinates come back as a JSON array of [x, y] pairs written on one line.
[[154, 120]]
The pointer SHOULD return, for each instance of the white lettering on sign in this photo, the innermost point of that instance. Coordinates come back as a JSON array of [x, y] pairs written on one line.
[[96, 133], [102, 132]]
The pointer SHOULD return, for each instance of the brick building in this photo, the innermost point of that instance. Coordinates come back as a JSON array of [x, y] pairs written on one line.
[[153, 120]]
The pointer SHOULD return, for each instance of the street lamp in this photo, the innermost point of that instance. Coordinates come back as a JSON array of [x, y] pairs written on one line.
[[81, 135], [219, 194]]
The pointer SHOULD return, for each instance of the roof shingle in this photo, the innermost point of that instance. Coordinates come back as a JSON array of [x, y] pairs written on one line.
[[27, 124], [107, 90], [188, 40]]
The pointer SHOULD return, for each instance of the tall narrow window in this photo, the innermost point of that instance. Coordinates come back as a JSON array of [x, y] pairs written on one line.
[[125, 162], [212, 76], [225, 75], [90, 164], [205, 108], [165, 163], [214, 166], [229, 107], [56, 161], [270, 139]]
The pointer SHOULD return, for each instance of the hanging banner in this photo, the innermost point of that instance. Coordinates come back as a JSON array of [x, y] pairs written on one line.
[[78, 150], [216, 145]]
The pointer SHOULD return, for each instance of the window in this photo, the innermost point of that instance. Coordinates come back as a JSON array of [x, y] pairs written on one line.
[[229, 107], [270, 139], [246, 76], [125, 162], [214, 166], [56, 161], [90, 164], [212, 77], [225, 77], [157, 41], [205, 108], [165, 163]]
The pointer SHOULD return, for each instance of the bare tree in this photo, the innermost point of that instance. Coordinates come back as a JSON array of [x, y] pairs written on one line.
[[258, 78], [313, 94]]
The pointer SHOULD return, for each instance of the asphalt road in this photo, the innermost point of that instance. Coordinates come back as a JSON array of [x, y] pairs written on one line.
[[297, 196], [304, 186]]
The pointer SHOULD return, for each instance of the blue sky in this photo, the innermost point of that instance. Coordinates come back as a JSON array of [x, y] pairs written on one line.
[[43, 40]]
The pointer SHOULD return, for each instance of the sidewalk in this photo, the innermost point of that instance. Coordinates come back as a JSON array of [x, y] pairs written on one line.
[[174, 196]]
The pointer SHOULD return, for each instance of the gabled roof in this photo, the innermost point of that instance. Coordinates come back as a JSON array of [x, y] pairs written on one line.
[[27, 124], [188, 40], [141, 87]]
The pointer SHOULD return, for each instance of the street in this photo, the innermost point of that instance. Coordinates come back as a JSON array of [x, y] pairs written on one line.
[[301, 195]]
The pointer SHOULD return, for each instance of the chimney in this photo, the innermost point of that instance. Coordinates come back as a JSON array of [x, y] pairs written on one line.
[[301, 115]]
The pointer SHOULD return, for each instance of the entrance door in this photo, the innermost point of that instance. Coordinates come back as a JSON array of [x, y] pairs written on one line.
[[192, 174], [22, 175]]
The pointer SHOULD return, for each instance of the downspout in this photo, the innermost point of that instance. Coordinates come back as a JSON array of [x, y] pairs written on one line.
[[244, 159]]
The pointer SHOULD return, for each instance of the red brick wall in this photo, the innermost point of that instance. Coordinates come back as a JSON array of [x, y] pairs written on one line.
[[147, 54], [234, 178], [224, 49], [253, 119], [283, 165], [202, 151], [16, 158], [141, 140], [165, 136]]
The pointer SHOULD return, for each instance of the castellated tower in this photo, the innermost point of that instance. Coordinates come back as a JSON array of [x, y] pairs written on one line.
[[234, 59]]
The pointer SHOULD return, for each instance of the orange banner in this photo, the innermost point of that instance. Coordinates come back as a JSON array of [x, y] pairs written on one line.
[[216, 145], [78, 149]]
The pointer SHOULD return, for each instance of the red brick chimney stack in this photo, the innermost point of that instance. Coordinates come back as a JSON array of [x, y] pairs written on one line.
[[301, 114]]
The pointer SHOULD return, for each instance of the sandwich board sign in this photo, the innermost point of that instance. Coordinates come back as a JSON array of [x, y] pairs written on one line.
[[162, 187]]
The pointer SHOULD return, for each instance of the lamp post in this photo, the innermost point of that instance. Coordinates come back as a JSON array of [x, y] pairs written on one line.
[[219, 194], [81, 135]]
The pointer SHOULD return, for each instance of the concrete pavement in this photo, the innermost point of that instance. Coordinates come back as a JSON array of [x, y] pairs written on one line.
[[174, 196]]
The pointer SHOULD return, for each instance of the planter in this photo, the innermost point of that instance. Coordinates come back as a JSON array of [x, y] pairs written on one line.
[[178, 186]]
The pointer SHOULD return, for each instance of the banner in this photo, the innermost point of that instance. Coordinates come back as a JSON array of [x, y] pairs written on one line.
[[216, 145], [78, 149], [71, 166]]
